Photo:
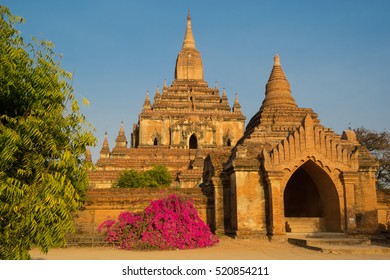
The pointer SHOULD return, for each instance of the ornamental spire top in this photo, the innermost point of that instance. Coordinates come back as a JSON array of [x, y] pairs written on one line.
[[278, 92], [189, 42]]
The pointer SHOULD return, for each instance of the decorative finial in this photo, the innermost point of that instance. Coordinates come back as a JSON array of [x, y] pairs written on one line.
[[147, 104], [188, 16], [165, 83], [216, 85], [236, 105], [276, 60], [189, 42], [105, 150]]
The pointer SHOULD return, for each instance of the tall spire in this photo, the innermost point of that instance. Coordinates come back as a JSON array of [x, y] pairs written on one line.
[[105, 151], [157, 95], [189, 42], [236, 105], [189, 62], [121, 140], [147, 104], [278, 92]]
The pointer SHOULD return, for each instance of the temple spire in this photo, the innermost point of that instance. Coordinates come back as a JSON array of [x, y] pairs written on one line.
[[121, 140], [147, 104], [105, 151], [276, 60], [189, 62], [236, 105], [189, 42], [278, 92]]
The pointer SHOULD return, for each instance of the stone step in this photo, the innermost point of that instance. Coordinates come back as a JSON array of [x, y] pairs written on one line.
[[319, 235], [304, 224], [321, 242], [357, 250], [336, 243]]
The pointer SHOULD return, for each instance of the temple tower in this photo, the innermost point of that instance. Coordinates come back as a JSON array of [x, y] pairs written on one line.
[[188, 114], [177, 127], [288, 173]]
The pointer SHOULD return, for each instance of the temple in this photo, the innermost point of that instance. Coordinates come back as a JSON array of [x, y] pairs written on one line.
[[284, 172], [178, 128], [288, 173]]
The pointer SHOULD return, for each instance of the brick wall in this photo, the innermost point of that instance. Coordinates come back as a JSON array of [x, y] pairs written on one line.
[[103, 204], [383, 204]]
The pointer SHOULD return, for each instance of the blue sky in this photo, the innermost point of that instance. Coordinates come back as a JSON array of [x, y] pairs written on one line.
[[335, 54]]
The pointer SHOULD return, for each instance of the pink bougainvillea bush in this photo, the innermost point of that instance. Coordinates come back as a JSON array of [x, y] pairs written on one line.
[[168, 223]]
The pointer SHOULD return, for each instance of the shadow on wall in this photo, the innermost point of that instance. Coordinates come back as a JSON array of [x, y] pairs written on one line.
[[384, 227]]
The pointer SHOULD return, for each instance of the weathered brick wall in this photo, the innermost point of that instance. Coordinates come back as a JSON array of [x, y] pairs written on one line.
[[383, 200], [103, 204]]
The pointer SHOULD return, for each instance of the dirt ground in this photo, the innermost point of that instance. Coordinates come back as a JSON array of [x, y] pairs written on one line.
[[226, 249]]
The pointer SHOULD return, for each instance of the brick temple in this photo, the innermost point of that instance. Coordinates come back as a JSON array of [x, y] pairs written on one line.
[[284, 172]]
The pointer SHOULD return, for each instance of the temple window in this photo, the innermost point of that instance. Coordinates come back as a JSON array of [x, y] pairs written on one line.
[[193, 143]]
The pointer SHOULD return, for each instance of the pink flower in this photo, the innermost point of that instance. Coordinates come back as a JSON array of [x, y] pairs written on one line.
[[165, 223]]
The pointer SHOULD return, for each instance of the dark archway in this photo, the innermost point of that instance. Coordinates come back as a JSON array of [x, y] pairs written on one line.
[[155, 142], [311, 201], [301, 197], [229, 143], [193, 144]]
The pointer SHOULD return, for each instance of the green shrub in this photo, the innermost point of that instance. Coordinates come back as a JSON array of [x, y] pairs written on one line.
[[157, 177]]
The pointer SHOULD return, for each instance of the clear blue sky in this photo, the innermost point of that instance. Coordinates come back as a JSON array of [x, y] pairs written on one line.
[[336, 54]]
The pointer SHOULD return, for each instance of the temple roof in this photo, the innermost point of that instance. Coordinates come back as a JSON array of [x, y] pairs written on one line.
[[189, 62], [278, 93], [189, 92], [278, 115]]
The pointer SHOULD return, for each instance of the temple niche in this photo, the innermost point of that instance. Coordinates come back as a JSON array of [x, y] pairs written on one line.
[[284, 172]]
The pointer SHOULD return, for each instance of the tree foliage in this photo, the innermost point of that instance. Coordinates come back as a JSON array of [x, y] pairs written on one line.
[[378, 143], [43, 140], [157, 177]]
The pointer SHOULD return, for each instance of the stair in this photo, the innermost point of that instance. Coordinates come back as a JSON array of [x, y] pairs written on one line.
[[302, 225], [337, 243]]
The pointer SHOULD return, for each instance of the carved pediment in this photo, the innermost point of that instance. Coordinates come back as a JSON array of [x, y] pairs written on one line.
[[314, 141]]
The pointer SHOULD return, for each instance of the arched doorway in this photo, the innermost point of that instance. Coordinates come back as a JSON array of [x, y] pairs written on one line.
[[193, 143], [229, 143], [311, 203], [155, 142]]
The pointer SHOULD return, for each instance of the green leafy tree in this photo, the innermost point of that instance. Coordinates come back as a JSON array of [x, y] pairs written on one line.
[[43, 140], [157, 177], [130, 179], [378, 143]]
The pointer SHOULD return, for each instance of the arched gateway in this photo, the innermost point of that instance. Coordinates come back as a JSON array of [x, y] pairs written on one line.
[[311, 201], [288, 173]]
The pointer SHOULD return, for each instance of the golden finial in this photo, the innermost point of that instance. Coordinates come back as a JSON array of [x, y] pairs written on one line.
[[276, 60]]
